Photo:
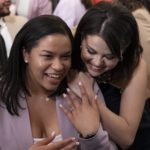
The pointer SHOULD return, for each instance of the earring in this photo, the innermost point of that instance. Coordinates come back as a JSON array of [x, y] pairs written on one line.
[[26, 61], [121, 56]]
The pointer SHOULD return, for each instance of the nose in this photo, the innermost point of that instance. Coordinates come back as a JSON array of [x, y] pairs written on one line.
[[57, 65], [98, 61]]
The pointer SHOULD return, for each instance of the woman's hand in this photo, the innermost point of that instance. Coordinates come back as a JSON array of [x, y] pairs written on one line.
[[67, 144], [86, 80], [83, 113]]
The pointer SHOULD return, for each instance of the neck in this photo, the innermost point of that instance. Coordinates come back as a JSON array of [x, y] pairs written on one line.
[[36, 90], [39, 93], [39, 98]]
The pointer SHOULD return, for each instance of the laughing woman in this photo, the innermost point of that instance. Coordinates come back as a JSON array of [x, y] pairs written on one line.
[[107, 48], [31, 83]]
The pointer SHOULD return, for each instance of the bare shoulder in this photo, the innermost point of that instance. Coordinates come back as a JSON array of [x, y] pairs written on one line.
[[143, 63], [140, 73]]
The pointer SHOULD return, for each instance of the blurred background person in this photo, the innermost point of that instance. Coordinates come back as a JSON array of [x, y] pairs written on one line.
[[9, 26], [71, 11], [33, 8]]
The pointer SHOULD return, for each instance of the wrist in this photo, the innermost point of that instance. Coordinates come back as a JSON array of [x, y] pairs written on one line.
[[88, 136]]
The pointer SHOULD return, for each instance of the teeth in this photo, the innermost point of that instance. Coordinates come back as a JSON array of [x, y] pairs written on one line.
[[54, 76]]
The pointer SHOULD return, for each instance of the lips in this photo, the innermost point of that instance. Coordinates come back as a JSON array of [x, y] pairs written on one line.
[[96, 69]]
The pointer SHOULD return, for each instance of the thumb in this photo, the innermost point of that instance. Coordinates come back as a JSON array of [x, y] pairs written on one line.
[[47, 140]]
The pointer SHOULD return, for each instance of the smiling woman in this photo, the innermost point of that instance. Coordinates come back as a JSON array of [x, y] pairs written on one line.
[[111, 58], [38, 64], [96, 55], [31, 85], [47, 65]]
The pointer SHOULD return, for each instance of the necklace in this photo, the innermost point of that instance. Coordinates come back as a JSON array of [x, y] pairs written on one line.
[[47, 99]]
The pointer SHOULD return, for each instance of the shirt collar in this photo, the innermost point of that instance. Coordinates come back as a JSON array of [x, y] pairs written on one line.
[[2, 23]]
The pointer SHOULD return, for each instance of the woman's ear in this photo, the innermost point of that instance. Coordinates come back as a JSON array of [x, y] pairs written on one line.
[[25, 56]]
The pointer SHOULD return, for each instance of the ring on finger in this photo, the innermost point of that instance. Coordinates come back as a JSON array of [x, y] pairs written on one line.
[[71, 109]]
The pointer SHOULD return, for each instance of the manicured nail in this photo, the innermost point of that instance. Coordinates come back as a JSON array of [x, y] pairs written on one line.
[[77, 143], [80, 83], [53, 134], [68, 90], [95, 97], [73, 138], [60, 105]]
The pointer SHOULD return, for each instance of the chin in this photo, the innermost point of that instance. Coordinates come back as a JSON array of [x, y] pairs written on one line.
[[95, 74]]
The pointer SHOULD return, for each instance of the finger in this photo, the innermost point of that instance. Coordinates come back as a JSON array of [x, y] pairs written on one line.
[[71, 146], [61, 144], [69, 101], [47, 140], [83, 94], [76, 101], [94, 102], [66, 112]]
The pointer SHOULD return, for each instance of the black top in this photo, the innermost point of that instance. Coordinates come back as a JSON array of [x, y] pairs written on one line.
[[112, 96]]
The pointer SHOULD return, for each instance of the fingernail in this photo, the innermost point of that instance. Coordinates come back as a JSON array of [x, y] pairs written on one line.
[[68, 90], [60, 105], [80, 83], [95, 97], [77, 143], [53, 134], [73, 138]]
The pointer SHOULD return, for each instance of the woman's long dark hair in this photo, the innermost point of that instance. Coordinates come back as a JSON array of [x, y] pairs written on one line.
[[117, 26], [12, 75]]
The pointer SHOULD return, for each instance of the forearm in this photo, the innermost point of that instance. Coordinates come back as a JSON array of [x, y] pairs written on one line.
[[117, 127], [99, 141]]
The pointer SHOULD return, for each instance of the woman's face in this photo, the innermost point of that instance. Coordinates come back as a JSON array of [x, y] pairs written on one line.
[[48, 62], [96, 55]]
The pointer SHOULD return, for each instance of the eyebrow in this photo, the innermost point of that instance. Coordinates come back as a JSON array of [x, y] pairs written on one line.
[[95, 50], [90, 47], [47, 51]]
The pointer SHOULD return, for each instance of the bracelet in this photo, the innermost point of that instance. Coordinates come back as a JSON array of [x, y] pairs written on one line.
[[88, 136]]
